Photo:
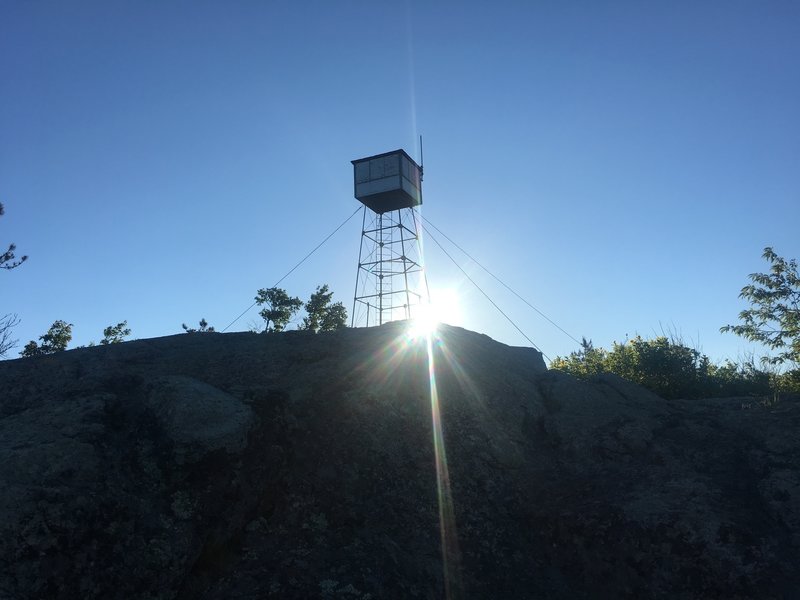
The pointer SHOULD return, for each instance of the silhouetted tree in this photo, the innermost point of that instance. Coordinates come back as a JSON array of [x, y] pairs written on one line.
[[774, 316], [114, 334], [204, 327], [322, 315], [55, 340], [7, 323], [7, 259], [280, 308]]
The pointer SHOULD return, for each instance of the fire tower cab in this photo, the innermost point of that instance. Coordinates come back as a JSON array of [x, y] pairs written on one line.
[[387, 182]]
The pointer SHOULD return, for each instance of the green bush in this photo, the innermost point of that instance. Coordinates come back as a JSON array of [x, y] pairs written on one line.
[[668, 368], [789, 382], [55, 340]]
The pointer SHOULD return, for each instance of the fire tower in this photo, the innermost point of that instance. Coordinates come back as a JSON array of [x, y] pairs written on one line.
[[390, 281]]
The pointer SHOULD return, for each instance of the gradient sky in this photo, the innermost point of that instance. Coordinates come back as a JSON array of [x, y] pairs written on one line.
[[620, 164]]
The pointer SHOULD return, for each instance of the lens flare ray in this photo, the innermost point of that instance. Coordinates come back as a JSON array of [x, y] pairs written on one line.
[[447, 525]]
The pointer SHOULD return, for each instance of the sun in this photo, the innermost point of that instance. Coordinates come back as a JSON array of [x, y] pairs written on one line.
[[424, 322], [443, 308]]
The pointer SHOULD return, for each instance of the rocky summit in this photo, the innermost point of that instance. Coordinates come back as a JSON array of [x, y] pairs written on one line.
[[367, 464]]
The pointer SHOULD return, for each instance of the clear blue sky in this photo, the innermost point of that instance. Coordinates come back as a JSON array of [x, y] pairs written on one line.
[[620, 164]]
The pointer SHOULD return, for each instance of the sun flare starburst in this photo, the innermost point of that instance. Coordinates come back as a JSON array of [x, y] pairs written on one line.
[[443, 308]]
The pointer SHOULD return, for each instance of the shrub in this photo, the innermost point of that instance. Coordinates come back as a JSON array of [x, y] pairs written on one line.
[[668, 368]]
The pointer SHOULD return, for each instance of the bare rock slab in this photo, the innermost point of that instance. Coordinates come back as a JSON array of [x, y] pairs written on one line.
[[369, 464]]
